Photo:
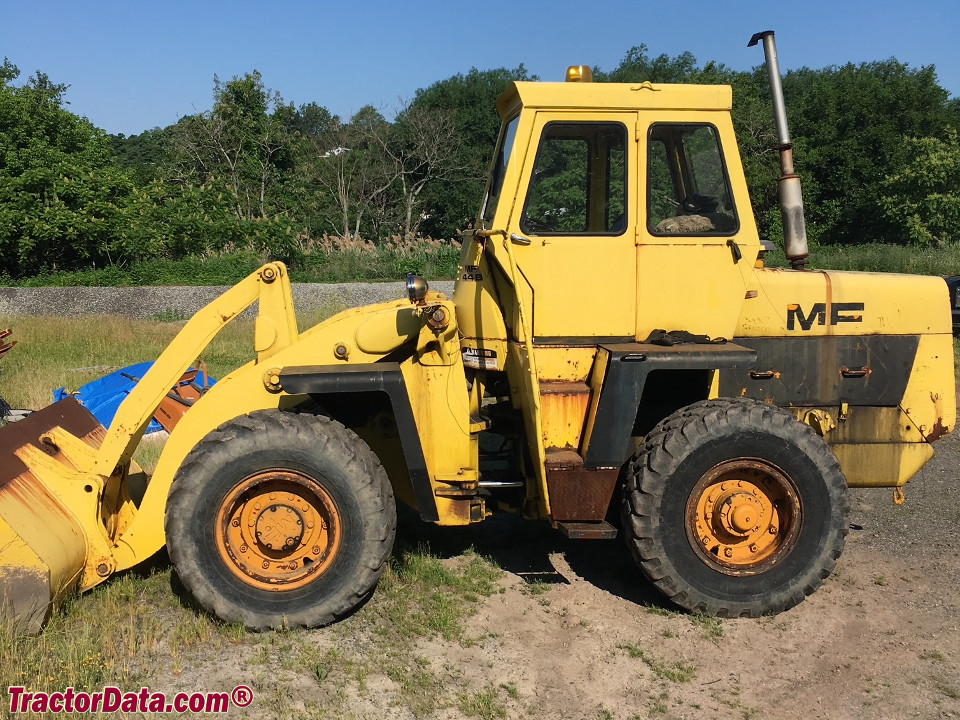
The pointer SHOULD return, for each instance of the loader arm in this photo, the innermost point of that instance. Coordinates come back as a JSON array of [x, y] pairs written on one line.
[[64, 505], [276, 329]]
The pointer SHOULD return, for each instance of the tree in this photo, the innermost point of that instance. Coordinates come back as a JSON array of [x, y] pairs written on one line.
[[922, 201], [244, 139], [848, 125], [471, 101], [143, 156], [637, 66], [346, 163], [62, 197], [423, 148]]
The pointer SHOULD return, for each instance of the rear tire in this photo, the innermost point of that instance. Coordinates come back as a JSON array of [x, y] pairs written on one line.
[[277, 519], [733, 508]]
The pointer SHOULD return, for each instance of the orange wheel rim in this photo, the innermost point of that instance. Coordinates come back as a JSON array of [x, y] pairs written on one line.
[[743, 516], [278, 530]]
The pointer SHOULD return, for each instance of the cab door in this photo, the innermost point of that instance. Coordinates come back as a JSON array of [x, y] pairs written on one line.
[[572, 228], [697, 247]]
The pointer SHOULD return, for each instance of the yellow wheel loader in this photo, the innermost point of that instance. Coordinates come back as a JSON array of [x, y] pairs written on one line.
[[614, 342]]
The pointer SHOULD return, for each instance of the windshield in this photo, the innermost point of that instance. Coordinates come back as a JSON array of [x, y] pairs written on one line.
[[499, 170]]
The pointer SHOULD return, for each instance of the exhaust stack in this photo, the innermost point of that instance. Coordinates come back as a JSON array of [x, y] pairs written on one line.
[[791, 196]]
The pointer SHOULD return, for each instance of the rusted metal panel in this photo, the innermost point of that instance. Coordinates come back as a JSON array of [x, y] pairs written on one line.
[[588, 530], [577, 493], [25, 598], [42, 550], [563, 407]]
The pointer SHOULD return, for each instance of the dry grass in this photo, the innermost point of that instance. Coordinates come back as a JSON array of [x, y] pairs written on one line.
[[53, 352]]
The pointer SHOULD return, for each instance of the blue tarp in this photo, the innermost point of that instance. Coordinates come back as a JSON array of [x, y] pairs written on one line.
[[103, 396]]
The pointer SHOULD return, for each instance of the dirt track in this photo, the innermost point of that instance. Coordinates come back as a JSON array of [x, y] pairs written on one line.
[[880, 639]]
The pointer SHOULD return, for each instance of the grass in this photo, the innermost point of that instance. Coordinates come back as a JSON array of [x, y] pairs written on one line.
[[135, 626], [422, 596], [678, 671], [126, 630], [711, 627], [114, 634], [877, 257]]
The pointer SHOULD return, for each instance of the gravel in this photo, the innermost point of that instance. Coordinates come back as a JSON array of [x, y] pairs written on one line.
[[179, 302]]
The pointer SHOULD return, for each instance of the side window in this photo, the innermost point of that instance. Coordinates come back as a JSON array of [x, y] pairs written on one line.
[[688, 192], [579, 181]]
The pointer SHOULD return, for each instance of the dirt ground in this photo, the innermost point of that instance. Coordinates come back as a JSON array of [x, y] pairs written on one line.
[[880, 638]]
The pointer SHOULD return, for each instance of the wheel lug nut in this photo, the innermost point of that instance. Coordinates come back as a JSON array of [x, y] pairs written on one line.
[[243, 548], [753, 548], [316, 549], [235, 523], [728, 552], [773, 529], [265, 565]]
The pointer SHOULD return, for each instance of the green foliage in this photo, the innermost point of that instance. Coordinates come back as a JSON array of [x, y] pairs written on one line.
[[637, 66], [243, 141], [875, 146], [62, 197], [848, 125], [922, 200], [143, 156]]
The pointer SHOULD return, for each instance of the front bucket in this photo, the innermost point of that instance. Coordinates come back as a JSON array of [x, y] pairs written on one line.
[[43, 546]]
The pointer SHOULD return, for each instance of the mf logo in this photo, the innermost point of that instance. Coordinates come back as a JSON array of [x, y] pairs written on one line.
[[818, 314]]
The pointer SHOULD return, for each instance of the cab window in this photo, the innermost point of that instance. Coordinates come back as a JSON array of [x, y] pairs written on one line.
[[499, 170], [579, 181], [688, 191]]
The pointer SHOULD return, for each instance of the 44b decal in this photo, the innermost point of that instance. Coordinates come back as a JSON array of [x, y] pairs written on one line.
[[839, 313]]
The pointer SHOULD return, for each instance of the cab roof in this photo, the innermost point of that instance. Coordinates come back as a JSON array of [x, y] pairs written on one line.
[[612, 96]]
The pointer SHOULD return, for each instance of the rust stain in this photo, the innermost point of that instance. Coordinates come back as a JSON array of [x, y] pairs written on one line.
[[829, 298], [939, 429]]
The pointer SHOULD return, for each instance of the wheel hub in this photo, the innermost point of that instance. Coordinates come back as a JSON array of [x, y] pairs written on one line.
[[278, 530], [742, 516], [280, 526]]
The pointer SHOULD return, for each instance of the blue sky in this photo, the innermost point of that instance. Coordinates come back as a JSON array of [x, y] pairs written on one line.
[[133, 66]]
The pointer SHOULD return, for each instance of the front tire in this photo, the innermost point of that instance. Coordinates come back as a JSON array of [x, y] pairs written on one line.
[[280, 519], [734, 508]]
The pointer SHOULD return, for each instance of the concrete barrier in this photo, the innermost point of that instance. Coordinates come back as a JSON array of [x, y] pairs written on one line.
[[180, 302]]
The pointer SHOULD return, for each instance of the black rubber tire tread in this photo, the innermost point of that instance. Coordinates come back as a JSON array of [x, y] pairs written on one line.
[[272, 439], [673, 457]]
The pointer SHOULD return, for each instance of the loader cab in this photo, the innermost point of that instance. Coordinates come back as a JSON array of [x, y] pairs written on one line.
[[618, 212]]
